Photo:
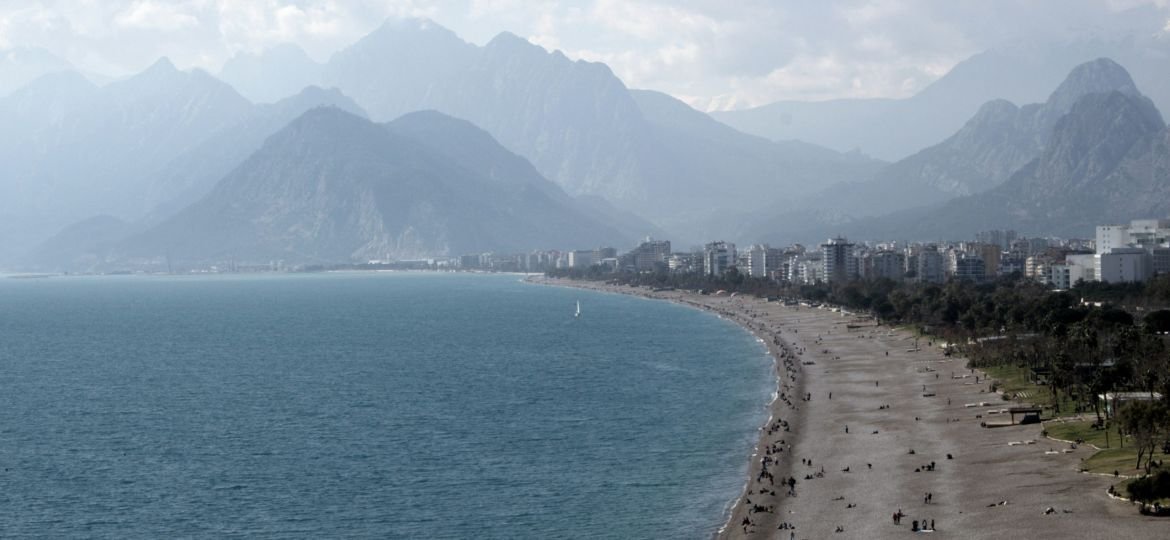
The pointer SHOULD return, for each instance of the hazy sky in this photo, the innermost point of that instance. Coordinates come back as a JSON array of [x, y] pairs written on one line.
[[711, 53]]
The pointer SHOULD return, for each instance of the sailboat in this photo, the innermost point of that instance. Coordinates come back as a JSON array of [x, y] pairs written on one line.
[[578, 313]]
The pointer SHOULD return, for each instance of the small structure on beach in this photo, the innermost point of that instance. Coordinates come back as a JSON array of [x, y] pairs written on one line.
[[1028, 415]]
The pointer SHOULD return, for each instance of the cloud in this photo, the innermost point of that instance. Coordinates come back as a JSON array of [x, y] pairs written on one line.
[[150, 15], [712, 53]]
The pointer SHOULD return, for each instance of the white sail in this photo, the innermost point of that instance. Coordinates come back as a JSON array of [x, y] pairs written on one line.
[[578, 314]]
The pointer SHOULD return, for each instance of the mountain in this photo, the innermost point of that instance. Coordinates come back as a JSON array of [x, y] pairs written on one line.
[[404, 65], [1021, 72], [22, 65], [985, 152], [44, 102], [1107, 161], [628, 222], [334, 187], [143, 147], [272, 75], [191, 175], [80, 247], [86, 152], [579, 125], [727, 164], [574, 121], [999, 140]]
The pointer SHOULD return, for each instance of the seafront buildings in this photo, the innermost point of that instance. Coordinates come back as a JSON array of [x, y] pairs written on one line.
[[718, 258], [885, 264], [1118, 253], [649, 255], [930, 265], [839, 260]]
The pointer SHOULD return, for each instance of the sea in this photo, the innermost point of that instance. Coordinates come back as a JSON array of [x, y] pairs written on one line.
[[367, 405]]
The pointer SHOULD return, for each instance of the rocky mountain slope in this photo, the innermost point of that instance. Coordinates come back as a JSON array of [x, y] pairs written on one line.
[[1108, 161], [142, 147], [581, 127], [334, 187], [1023, 72], [188, 177], [73, 150], [999, 140]]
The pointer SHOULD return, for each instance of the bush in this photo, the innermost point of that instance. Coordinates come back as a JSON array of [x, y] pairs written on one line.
[[1150, 488]]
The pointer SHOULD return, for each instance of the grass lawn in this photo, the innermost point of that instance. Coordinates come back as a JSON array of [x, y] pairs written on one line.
[[1113, 459], [1081, 429], [1014, 380]]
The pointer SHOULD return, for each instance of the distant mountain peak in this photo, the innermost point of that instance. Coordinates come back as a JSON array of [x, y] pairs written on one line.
[[326, 115], [24, 54], [60, 78], [992, 110], [162, 65], [1114, 119], [332, 187], [397, 26], [412, 23], [1096, 76], [432, 117], [314, 92], [508, 41]]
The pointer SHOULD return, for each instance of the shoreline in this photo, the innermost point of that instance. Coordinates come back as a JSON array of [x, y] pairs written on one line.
[[777, 351], [901, 436]]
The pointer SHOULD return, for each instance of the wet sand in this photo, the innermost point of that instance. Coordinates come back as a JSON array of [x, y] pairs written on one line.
[[997, 484]]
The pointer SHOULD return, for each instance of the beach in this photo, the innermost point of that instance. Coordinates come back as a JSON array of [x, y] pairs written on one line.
[[870, 426]]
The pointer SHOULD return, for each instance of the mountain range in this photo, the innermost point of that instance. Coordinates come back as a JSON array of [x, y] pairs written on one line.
[[1106, 160], [575, 121], [995, 143], [333, 186], [141, 146], [22, 65], [1021, 72], [412, 142]]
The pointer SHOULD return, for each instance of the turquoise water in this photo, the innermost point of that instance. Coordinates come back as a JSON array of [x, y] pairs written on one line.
[[367, 405]]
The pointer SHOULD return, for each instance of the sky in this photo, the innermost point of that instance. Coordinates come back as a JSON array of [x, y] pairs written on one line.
[[713, 54]]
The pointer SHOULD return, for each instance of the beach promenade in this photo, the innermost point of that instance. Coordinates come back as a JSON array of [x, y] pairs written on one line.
[[869, 427]]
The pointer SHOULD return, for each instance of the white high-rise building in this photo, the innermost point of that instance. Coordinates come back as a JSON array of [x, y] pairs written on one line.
[[718, 257], [757, 261], [840, 263], [650, 254], [1110, 237], [931, 265], [582, 259], [1081, 268]]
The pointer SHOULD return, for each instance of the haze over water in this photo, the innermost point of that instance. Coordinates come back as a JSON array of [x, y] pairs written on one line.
[[330, 405]]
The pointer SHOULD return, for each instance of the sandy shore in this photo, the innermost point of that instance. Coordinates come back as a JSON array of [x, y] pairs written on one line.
[[880, 443]]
